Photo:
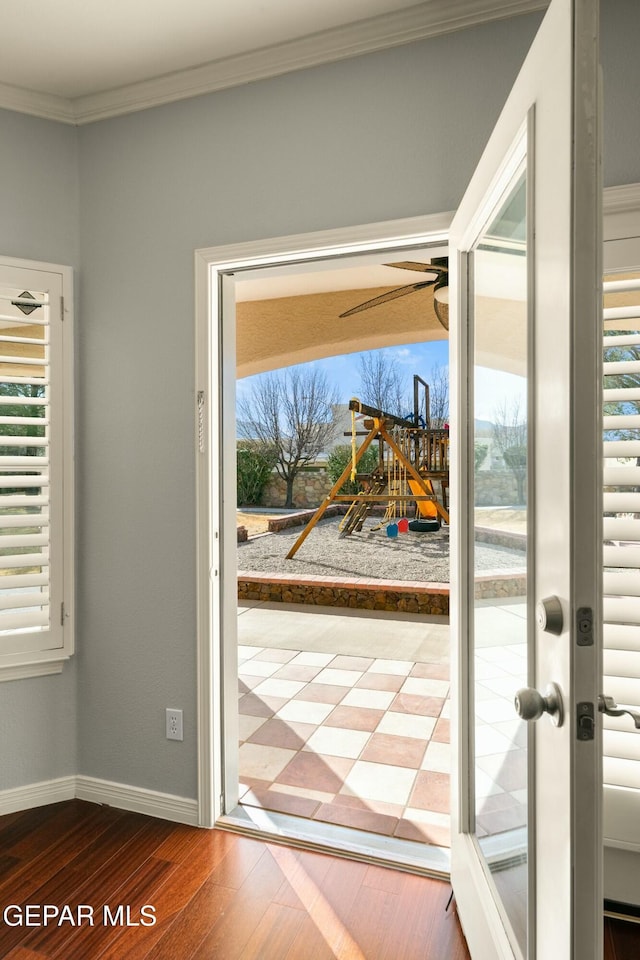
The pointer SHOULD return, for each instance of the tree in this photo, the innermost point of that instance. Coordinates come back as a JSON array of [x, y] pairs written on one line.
[[25, 424], [621, 380], [340, 456], [509, 431], [480, 452], [254, 462], [439, 396], [290, 412], [384, 386], [381, 383]]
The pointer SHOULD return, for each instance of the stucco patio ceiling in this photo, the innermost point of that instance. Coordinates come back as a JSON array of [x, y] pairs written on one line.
[[278, 325]]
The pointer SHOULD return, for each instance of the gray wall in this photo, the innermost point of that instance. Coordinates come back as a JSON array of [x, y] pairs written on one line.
[[388, 135], [38, 221]]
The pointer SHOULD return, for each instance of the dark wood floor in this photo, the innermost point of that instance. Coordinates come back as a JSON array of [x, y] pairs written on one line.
[[217, 896], [621, 940]]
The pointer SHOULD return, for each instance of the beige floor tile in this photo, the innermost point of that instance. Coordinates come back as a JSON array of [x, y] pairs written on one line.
[[379, 781], [337, 742], [263, 763], [407, 725], [244, 652], [248, 725], [309, 659], [258, 668], [376, 699], [339, 678], [425, 687], [278, 688], [321, 795], [273, 653], [437, 757], [305, 711], [400, 668], [427, 816]]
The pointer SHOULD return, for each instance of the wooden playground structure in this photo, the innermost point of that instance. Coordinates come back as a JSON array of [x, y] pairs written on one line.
[[412, 458]]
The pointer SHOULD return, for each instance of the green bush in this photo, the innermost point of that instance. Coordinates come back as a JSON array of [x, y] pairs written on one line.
[[254, 465], [338, 459]]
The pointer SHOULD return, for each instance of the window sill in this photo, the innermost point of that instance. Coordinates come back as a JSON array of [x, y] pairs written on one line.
[[39, 668]]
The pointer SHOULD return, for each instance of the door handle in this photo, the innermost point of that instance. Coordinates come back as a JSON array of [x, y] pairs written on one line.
[[530, 704], [610, 707]]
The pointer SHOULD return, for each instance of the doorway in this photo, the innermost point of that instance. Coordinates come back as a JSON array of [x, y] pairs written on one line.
[[219, 790], [370, 672], [343, 705]]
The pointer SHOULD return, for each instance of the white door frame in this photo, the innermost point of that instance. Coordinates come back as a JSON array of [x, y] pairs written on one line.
[[212, 265], [214, 390]]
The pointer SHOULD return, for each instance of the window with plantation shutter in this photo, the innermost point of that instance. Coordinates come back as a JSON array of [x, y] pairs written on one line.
[[621, 601], [36, 488]]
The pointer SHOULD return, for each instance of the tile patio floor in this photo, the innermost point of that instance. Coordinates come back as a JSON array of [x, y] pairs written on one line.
[[333, 728]]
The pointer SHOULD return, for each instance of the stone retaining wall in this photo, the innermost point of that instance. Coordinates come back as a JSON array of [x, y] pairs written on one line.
[[495, 488], [362, 594], [501, 538], [310, 487]]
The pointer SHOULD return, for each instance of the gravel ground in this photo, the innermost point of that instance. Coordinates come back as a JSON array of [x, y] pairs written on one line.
[[370, 553]]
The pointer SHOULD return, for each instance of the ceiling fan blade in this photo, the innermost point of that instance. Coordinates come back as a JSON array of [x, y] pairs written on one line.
[[386, 297], [435, 268]]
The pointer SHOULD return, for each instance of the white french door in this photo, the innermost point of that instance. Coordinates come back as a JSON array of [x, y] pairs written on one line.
[[525, 256]]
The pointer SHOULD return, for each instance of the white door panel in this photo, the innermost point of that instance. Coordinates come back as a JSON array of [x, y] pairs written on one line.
[[525, 287]]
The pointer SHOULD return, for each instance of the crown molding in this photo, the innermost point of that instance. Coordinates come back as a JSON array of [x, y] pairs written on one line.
[[428, 19], [44, 105]]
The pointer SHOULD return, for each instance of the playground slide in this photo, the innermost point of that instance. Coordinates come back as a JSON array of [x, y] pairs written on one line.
[[426, 508]]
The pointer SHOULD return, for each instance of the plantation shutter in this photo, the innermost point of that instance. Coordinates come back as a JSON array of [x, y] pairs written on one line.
[[31, 459], [621, 530]]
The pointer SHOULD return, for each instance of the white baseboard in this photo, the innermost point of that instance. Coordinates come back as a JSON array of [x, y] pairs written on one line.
[[37, 794], [152, 803], [165, 806]]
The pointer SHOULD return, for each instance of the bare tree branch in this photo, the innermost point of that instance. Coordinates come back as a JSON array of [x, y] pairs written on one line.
[[290, 412], [509, 431]]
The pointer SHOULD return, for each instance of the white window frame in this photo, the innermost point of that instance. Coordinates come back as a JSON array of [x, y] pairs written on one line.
[[45, 652]]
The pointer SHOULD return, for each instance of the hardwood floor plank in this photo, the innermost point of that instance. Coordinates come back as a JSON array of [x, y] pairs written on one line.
[[90, 941], [310, 944], [103, 884], [609, 946], [233, 871], [217, 895], [54, 844], [57, 891], [62, 819], [14, 828], [373, 919], [382, 878], [174, 896], [195, 921], [8, 865], [21, 953], [421, 916], [625, 939], [230, 935], [274, 934], [306, 869]]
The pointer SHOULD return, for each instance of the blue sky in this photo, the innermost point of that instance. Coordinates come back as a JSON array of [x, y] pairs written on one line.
[[493, 387], [343, 371]]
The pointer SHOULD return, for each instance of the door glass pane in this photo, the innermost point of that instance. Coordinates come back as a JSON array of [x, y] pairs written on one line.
[[499, 424]]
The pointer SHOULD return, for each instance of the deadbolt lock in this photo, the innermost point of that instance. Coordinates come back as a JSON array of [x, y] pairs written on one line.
[[549, 615]]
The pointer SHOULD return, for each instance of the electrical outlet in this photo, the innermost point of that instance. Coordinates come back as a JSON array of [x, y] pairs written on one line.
[[174, 724]]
